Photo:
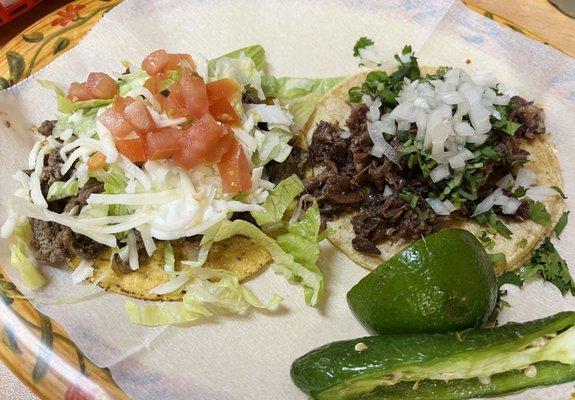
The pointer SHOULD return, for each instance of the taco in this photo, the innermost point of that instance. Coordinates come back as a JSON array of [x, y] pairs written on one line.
[[399, 153], [156, 185]]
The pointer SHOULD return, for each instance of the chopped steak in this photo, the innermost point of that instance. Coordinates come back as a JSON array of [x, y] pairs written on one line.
[[79, 245], [55, 243], [46, 128], [531, 117], [45, 239], [296, 163], [250, 96], [382, 192], [52, 171], [81, 199]]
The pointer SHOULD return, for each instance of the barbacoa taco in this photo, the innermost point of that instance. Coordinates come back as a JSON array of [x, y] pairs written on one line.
[[399, 153], [156, 184]]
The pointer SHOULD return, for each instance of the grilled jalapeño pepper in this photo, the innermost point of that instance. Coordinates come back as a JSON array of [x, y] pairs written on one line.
[[459, 365]]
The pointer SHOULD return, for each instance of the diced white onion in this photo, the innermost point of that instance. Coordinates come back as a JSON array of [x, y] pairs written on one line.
[[487, 203], [525, 178], [437, 206], [380, 145], [506, 182], [387, 191], [448, 205], [464, 129], [345, 134], [439, 173], [541, 193], [510, 206]]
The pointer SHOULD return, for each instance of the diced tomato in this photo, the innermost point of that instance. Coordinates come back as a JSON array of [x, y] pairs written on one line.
[[120, 103], [79, 92], [155, 62], [226, 88], [102, 86], [133, 147], [116, 123], [223, 111], [96, 161], [175, 59], [139, 117], [193, 95], [173, 104], [235, 170], [162, 144], [199, 144]]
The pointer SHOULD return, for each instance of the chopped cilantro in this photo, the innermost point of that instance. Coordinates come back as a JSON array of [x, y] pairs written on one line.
[[362, 43], [558, 190], [507, 126], [561, 223], [545, 263], [498, 258], [378, 84], [486, 240], [410, 198], [538, 213], [519, 192], [165, 92], [522, 243]]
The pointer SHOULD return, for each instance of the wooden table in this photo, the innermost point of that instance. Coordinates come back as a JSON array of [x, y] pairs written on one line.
[[536, 18]]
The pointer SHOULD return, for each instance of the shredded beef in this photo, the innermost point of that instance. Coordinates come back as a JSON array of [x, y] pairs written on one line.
[[46, 128], [250, 96], [80, 200], [354, 180], [296, 163], [55, 243], [52, 171], [531, 117]]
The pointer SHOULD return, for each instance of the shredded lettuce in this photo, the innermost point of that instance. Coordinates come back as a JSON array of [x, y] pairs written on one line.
[[309, 276], [272, 145], [116, 183], [243, 65], [279, 200], [94, 211], [60, 190], [256, 53], [302, 242], [215, 287], [22, 257], [135, 79], [68, 106], [299, 95], [169, 259], [160, 314]]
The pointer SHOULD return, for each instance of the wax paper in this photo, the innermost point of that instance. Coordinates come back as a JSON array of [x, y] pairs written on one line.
[[248, 357]]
